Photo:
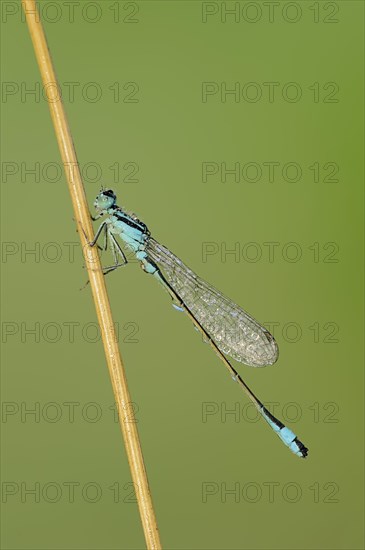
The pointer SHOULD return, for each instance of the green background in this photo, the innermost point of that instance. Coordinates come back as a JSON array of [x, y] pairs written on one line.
[[169, 132]]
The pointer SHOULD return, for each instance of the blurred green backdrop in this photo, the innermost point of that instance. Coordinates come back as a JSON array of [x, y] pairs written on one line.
[[145, 88]]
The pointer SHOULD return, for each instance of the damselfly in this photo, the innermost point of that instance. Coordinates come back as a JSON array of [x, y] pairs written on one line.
[[224, 325]]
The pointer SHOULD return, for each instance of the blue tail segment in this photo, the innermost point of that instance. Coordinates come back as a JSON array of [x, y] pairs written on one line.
[[287, 436]]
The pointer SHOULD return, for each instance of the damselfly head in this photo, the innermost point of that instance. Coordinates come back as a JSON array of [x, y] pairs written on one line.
[[105, 200]]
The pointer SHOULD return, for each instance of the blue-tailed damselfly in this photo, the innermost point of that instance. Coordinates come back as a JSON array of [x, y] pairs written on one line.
[[224, 325]]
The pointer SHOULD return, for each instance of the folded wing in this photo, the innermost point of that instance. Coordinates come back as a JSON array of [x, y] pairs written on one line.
[[235, 332]]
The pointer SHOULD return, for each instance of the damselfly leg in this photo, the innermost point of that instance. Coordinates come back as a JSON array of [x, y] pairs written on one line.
[[115, 248]]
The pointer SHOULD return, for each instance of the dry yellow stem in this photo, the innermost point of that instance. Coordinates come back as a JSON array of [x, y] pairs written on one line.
[[96, 277]]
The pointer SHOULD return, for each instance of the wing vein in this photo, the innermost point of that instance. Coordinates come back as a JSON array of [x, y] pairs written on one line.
[[235, 332]]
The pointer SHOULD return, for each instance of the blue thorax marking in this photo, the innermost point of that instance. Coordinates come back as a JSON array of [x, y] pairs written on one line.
[[133, 232]]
